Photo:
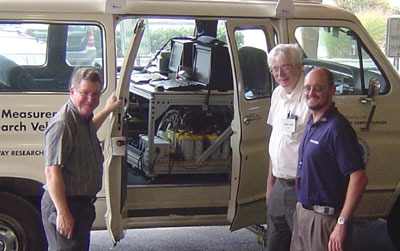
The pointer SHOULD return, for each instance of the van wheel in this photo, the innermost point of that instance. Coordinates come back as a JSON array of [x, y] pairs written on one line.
[[20, 225], [393, 225]]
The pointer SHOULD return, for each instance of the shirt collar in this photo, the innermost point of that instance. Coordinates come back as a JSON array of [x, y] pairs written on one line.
[[76, 112], [325, 117]]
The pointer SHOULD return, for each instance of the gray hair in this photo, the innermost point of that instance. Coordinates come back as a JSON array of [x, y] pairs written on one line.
[[290, 52], [85, 74]]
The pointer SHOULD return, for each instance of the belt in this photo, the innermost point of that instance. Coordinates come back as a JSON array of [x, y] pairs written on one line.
[[89, 199], [288, 182], [325, 210]]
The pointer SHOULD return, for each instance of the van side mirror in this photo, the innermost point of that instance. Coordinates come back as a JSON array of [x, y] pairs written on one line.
[[374, 87], [373, 90]]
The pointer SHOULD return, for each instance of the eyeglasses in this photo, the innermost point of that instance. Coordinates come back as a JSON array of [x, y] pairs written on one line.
[[85, 94], [317, 88], [283, 68]]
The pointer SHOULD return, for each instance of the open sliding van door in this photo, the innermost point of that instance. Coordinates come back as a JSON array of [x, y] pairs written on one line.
[[250, 42], [116, 143]]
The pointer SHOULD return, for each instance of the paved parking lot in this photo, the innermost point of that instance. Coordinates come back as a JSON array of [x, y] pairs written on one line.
[[368, 236]]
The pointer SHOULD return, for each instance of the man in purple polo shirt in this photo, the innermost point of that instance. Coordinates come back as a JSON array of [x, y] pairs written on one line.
[[331, 174]]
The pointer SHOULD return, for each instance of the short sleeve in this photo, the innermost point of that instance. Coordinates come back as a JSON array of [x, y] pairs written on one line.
[[58, 144], [348, 150]]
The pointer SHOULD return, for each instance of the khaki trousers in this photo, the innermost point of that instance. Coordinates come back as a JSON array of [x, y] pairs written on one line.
[[311, 230]]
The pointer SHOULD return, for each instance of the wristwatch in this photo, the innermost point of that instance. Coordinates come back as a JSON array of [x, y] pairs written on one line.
[[341, 220]]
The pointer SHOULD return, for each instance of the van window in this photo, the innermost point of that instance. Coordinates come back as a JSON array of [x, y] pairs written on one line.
[[157, 36], [252, 49], [340, 50], [40, 57]]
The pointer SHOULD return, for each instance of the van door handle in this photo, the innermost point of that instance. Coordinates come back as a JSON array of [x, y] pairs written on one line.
[[118, 146], [371, 112], [250, 118]]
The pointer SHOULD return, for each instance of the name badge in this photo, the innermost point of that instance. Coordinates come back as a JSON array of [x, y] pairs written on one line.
[[289, 125]]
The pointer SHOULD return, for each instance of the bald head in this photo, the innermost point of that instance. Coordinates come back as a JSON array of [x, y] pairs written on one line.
[[319, 89]]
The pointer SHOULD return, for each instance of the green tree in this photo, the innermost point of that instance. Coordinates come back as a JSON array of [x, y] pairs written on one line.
[[356, 6], [375, 23], [161, 36], [372, 14], [340, 45]]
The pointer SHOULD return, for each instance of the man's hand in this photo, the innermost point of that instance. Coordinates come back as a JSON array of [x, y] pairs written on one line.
[[336, 240], [268, 192], [358, 182], [65, 224], [112, 103], [270, 183]]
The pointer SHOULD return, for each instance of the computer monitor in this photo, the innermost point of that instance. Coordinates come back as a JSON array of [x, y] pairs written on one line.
[[181, 54], [202, 65], [212, 67]]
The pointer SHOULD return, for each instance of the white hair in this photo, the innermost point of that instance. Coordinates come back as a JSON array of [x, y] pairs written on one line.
[[291, 52]]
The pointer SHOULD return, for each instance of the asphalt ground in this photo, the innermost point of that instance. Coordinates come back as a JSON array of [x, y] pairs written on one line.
[[367, 236]]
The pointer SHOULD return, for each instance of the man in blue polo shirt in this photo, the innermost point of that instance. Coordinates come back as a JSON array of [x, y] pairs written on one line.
[[331, 174]]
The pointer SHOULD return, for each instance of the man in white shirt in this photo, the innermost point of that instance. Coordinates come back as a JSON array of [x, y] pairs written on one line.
[[288, 117]]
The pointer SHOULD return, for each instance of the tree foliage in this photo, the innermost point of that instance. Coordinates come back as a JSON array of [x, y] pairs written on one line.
[[161, 36], [357, 6], [375, 23], [339, 46], [373, 15]]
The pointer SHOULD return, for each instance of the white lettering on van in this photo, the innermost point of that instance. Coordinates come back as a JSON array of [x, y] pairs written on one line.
[[16, 127]]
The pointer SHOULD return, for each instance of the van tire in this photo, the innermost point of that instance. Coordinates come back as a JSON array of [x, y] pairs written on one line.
[[20, 224], [393, 224]]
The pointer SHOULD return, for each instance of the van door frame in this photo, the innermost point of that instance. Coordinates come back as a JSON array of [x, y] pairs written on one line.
[[116, 142], [248, 182]]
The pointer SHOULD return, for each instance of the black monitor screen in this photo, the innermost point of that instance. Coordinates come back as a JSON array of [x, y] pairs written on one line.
[[176, 56], [202, 65]]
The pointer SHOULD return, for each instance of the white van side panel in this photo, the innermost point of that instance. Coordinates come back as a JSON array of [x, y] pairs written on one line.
[[22, 133]]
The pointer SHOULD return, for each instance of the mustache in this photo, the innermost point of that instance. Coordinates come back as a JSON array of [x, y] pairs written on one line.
[[312, 96]]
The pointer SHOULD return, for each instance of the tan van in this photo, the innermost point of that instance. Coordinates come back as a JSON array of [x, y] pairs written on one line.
[[189, 147]]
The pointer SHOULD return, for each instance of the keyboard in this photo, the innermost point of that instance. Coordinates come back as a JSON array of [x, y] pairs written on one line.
[[143, 78], [174, 85], [169, 83]]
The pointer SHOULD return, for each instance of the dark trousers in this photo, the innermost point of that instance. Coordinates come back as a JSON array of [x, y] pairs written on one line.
[[281, 207], [84, 214]]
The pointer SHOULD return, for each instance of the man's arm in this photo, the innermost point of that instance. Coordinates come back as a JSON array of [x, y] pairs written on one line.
[[358, 182], [270, 183], [56, 188], [112, 103]]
